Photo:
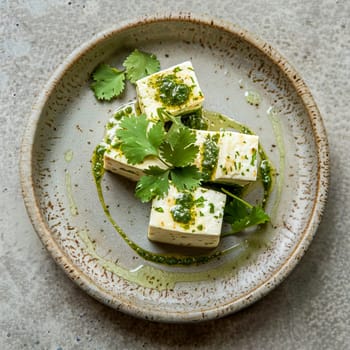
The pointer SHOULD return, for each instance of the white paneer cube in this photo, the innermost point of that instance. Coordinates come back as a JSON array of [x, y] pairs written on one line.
[[237, 160], [232, 155], [187, 218], [155, 91], [115, 161]]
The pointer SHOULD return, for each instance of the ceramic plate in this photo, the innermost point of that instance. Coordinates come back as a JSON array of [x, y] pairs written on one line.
[[67, 122]]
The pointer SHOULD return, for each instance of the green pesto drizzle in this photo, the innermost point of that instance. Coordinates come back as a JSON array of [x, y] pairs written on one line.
[[172, 91], [210, 155], [182, 211], [153, 277], [194, 120], [265, 173]]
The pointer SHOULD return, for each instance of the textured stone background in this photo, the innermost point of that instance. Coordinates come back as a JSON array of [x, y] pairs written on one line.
[[40, 308]]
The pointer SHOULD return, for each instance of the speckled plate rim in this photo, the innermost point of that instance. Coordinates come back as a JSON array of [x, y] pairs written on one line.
[[43, 231]]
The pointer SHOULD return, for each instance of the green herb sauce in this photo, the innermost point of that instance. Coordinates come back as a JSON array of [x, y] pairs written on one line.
[[210, 155], [265, 174], [194, 120], [172, 90], [156, 278], [182, 211]]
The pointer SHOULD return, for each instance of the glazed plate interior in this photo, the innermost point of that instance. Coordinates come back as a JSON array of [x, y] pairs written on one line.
[[62, 201]]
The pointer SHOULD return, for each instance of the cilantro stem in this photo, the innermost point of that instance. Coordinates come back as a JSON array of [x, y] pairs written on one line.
[[165, 163], [163, 115], [237, 198]]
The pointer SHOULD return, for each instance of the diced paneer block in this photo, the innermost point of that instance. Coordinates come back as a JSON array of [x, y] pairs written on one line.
[[176, 89], [237, 158], [227, 156], [115, 161], [187, 218]]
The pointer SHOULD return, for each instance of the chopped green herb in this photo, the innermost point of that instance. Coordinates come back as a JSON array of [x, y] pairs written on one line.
[[212, 208], [200, 202], [253, 157], [182, 210]]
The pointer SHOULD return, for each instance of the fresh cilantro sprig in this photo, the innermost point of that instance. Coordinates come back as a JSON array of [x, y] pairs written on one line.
[[241, 215], [140, 64], [154, 184], [109, 82], [139, 138], [176, 149]]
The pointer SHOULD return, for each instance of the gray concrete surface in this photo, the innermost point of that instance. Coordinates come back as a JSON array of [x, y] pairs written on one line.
[[40, 308]]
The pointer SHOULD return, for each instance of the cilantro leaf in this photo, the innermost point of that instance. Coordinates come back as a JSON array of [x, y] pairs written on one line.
[[256, 216], [186, 178], [178, 148], [154, 170], [108, 82], [242, 215], [140, 64], [150, 186], [234, 210], [139, 138]]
